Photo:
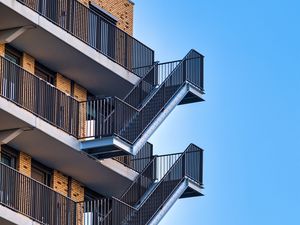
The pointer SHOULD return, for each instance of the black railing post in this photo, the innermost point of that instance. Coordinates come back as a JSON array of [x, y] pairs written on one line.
[[184, 70], [98, 34], [125, 53], [202, 72], [37, 99], [75, 216], [201, 167], [183, 164]]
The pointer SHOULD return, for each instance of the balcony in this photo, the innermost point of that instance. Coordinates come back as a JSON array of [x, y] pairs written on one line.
[[147, 199], [120, 126], [109, 126], [80, 44]]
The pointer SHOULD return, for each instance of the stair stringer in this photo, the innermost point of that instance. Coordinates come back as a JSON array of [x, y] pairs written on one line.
[[158, 120], [187, 183]]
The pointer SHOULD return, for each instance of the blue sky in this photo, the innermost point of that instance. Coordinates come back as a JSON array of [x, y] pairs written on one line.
[[249, 124]]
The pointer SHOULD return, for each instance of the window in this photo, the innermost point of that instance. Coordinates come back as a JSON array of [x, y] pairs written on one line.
[[44, 73], [41, 173], [90, 195], [13, 54], [11, 76], [102, 30], [104, 14], [8, 156]]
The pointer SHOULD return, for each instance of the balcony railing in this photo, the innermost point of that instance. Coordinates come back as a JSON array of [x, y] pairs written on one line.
[[95, 31], [39, 97], [139, 161], [44, 205], [35, 200]]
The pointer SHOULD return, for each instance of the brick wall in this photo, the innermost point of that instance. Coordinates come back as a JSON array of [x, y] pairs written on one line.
[[2, 49], [60, 183], [77, 191], [24, 164], [77, 195], [63, 83], [2, 52], [28, 63], [121, 9], [80, 94]]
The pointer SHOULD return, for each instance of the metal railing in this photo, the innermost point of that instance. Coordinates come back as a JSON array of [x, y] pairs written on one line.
[[139, 161], [39, 97], [35, 200], [150, 95], [169, 171], [96, 31], [106, 116], [41, 203]]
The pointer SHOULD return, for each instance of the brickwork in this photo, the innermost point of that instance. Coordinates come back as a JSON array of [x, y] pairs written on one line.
[[60, 183], [28, 63], [80, 94], [77, 195], [2, 49], [63, 84], [2, 52], [24, 164], [77, 191], [121, 9], [24, 167]]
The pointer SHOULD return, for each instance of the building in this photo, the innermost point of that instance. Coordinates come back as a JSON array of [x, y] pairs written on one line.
[[79, 99]]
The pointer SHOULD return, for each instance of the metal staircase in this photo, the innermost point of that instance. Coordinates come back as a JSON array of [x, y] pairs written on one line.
[[169, 177], [124, 126]]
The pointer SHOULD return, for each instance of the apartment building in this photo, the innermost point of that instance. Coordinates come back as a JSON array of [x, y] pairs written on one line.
[[79, 99]]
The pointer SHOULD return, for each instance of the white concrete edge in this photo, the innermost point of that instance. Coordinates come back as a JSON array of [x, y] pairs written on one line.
[[71, 40], [34, 122], [15, 217], [161, 117], [119, 168], [170, 202]]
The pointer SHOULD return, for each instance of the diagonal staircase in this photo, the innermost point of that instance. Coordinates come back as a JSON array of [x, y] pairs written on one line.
[[127, 124], [166, 179]]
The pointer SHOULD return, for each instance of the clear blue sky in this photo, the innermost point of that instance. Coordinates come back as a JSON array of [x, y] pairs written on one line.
[[249, 125]]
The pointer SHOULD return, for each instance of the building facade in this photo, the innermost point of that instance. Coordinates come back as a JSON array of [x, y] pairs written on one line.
[[79, 99]]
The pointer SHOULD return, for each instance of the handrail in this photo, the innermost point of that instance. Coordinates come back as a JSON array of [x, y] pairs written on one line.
[[91, 28], [140, 81], [139, 161]]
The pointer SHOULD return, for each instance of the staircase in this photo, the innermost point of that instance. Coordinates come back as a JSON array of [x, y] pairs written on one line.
[[166, 179], [126, 125]]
